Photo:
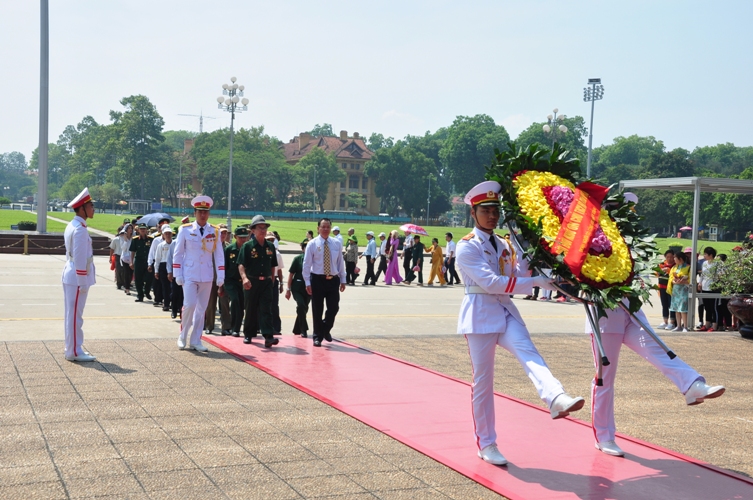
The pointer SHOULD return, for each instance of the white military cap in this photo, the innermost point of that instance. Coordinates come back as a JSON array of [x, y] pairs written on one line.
[[370, 233], [167, 229], [485, 193], [202, 202], [336, 228], [83, 197]]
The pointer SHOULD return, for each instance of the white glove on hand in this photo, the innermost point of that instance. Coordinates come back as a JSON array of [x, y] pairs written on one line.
[[179, 281], [220, 283], [543, 282]]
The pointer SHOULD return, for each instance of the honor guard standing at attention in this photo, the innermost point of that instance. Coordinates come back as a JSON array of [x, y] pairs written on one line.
[[492, 272], [256, 260], [196, 257], [233, 281], [140, 248], [78, 275]]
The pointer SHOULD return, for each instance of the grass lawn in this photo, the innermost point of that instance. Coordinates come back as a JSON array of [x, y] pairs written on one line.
[[13, 217]]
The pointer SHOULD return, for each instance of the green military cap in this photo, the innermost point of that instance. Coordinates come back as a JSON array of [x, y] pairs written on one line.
[[241, 231], [142, 226]]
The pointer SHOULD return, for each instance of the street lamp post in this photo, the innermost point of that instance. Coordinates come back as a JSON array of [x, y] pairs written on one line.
[[551, 126], [234, 92], [593, 94]]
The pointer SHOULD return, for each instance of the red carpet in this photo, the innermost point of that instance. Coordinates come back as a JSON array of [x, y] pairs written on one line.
[[431, 413]]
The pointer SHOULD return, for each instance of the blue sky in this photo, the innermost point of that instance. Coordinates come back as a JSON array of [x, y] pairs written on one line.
[[681, 71]]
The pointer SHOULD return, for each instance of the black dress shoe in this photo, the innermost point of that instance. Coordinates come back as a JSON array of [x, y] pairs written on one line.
[[165, 309], [236, 334], [304, 335], [225, 332], [271, 342], [246, 340], [148, 296], [328, 337], [173, 315], [317, 343], [139, 300]]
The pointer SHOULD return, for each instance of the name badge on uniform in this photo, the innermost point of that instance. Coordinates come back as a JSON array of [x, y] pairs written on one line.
[[269, 252], [192, 234]]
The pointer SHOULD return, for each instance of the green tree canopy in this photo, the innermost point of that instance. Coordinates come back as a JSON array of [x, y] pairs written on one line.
[[325, 129], [321, 167]]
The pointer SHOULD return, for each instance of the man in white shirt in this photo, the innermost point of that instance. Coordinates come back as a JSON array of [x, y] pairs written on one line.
[[382, 254], [324, 275], [160, 266], [371, 255], [156, 287], [336, 235], [449, 261]]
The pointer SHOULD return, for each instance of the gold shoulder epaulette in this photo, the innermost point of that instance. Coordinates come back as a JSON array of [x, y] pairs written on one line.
[[468, 236], [187, 224]]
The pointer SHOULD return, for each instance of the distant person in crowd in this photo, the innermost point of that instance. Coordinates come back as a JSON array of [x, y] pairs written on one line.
[[382, 256], [436, 263], [451, 277], [277, 287], [233, 282], [698, 269], [124, 240], [492, 270], [417, 262], [370, 253], [78, 275], [153, 271], [256, 262], [309, 235], [336, 235], [297, 289], [351, 258], [176, 291], [214, 296], [723, 316], [115, 257], [546, 293], [393, 268], [678, 286], [407, 256], [324, 275], [706, 285], [140, 247], [197, 259], [160, 266], [665, 267], [617, 329]]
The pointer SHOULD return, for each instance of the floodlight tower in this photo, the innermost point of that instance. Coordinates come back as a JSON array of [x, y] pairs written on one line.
[[592, 94]]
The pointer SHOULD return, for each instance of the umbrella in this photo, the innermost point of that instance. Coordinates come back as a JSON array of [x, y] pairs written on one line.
[[151, 220], [686, 228], [413, 229]]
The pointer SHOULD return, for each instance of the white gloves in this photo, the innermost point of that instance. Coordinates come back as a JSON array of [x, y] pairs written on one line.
[[220, 283], [543, 282], [179, 281]]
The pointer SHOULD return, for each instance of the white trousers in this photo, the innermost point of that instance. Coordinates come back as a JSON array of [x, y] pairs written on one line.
[[482, 347], [75, 300], [602, 398], [195, 300]]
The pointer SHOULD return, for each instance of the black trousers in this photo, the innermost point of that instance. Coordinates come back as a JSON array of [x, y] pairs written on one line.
[[350, 273], [710, 305], [157, 288], [275, 311], [382, 267], [258, 302], [127, 275], [176, 296], [406, 267], [118, 272], [370, 277], [451, 273], [165, 286], [143, 280], [302, 300], [324, 291], [666, 300], [234, 292], [723, 316]]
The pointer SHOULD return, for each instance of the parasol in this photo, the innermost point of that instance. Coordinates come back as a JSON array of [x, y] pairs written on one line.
[[413, 229]]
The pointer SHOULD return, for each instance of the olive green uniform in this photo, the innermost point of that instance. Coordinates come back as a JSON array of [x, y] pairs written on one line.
[[140, 247], [258, 260], [234, 287], [301, 297]]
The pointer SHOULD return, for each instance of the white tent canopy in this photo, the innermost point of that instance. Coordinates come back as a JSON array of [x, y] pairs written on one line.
[[697, 185]]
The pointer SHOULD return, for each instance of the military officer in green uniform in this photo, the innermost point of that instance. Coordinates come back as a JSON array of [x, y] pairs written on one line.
[[233, 281], [256, 260], [297, 289], [140, 246]]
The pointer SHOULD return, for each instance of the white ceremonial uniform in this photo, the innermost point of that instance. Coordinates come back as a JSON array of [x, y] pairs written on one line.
[[193, 268], [152, 250], [616, 329], [78, 275], [489, 318]]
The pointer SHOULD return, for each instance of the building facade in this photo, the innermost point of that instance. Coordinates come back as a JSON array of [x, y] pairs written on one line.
[[351, 155]]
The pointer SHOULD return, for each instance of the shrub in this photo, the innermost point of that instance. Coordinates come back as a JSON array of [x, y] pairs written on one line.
[[26, 225]]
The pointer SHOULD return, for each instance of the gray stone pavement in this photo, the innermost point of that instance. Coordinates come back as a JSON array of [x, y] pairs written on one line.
[[149, 421]]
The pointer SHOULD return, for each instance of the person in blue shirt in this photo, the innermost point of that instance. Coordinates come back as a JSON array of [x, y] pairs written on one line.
[[371, 254]]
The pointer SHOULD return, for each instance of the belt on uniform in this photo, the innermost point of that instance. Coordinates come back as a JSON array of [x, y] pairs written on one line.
[[328, 276], [260, 278], [474, 289]]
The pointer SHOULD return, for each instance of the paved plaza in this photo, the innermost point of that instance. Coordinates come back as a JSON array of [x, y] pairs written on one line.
[[149, 421]]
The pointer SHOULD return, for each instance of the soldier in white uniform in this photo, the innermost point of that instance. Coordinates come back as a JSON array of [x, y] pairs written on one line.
[[492, 272], [193, 269], [78, 275], [619, 328]]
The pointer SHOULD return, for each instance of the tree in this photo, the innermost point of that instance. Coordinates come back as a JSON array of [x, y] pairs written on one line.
[[378, 141], [324, 129], [175, 139], [5, 201], [469, 148], [573, 139], [13, 162], [630, 151], [355, 200], [288, 179], [321, 167]]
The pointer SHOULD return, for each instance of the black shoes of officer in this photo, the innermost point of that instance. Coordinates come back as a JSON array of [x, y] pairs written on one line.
[[148, 296], [139, 300], [225, 332], [173, 315], [236, 334], [271, 342], [328, 337], [246, 340], [304, 335], [317, 343]]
